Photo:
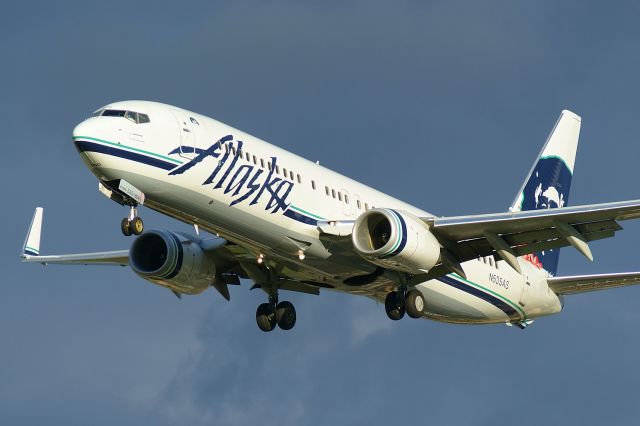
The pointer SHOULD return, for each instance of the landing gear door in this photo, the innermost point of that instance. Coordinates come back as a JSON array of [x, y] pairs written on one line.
[[187, 137]]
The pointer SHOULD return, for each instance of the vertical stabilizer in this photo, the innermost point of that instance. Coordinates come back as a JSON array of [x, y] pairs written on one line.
[[548, 183], [32, 243]]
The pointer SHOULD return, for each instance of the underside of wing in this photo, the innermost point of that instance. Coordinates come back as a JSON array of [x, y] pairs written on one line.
[[522, 233], [118, 258], [586, 283]]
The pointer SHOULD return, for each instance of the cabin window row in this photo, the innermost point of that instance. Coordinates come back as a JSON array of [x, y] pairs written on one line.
[[287, 173], [283, 171]]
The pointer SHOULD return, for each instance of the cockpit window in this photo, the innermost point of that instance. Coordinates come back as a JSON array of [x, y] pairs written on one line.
[[136, 117], [113, 113], [97, 113], [133, 116]]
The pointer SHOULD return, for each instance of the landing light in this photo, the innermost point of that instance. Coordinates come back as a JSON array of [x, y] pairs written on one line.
[[301, 255]]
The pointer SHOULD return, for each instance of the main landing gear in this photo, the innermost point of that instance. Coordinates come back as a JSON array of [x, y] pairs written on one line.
[[398, 302], [269, 314], [132, 225]]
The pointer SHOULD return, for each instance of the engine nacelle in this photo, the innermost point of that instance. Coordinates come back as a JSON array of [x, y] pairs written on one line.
[[172, 260], [395, 240]]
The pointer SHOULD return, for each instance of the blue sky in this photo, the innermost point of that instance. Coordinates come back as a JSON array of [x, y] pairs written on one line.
[[441, 104]]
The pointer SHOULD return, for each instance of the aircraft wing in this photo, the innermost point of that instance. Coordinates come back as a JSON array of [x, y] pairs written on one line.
[[31, 250], [585, 283], [515, 234]]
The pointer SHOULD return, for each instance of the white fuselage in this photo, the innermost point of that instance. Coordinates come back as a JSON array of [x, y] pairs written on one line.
[[269, 201]]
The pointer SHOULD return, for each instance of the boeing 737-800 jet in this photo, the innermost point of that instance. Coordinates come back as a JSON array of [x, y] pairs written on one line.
[[289, 224]]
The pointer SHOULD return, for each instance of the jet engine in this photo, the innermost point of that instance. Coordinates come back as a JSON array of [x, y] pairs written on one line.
[[172, 260], [395, 240]]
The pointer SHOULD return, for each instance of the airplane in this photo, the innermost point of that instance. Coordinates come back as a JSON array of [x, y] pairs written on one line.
[[288, 224]]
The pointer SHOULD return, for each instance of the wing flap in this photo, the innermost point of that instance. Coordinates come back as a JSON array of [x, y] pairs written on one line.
[[587, 283]]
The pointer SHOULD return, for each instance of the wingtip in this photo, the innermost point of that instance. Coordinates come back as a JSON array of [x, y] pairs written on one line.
[[31, 246]]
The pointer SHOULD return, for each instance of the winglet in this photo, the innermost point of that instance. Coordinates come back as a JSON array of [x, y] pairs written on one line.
[[31, 245]]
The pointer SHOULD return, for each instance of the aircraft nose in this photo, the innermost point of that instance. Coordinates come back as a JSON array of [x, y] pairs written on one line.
[[82, 129]]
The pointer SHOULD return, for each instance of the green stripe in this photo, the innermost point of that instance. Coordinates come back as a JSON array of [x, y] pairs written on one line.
[[399, 234], [32, 249], [299, 210], [173, 160], [498, 295]]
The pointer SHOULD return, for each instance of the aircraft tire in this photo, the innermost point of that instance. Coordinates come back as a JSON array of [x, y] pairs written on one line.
[[394, 306], [125, 227], [136, 226], [414, 304], [286, 315], [266, 317]]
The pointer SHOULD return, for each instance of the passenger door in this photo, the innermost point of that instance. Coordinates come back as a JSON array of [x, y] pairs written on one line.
[[187, 138]]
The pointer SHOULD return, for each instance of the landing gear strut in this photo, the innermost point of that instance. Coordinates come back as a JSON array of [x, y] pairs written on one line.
[[269, 314], [132, 224], [398, 302]]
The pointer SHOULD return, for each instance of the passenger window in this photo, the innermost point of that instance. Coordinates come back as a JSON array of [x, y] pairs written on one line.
[[248, 156], [326, 189], [143, 118], [313, 184], [333, 193], [269, 166], [285, 172], [358, 204], [255, 160], [277, 169], [366, 206], [299, 178], [346, 198], [291, 174], [262, 163], [339, 195]]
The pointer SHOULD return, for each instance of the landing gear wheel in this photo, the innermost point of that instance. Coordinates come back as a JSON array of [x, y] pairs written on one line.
[[414, 304], [285, 315], [125, 228], [266, 317], [136, 226], [394, 305]]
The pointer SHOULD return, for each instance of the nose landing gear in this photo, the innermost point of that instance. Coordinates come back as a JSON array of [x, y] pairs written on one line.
[[133, 224]]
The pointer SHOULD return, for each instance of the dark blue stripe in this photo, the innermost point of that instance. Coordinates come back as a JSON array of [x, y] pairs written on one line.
[[403, 242], [84, 146], [301, 218], [498, 303], [30, 252], [187, 150]]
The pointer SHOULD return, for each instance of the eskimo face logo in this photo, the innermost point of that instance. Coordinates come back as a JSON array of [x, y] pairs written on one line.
[[549, 198], [243, 180], [547, 188]]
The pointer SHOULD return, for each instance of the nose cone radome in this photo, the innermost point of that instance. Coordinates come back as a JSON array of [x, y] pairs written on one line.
[[83, 129]]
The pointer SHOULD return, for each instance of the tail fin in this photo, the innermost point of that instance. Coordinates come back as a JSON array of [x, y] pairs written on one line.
[[549, 181], [31, 245]]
